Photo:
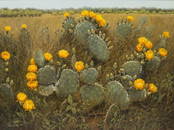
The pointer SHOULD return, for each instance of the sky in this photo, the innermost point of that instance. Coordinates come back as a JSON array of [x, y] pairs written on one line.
[[61, 4]]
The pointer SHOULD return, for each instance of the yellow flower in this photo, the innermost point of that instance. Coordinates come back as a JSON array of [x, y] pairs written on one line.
[[98, 18], [139, 84], [142, 40], [31, 76], [139, 47], [5, 55], [28, 105], [166, 34], [85, 13], [48, 56], [102, 23], [66, 14], [63, 53], [130, 18], [24, 26], [32, 62], [149, 54], [79, 66], [152, 88], [7, 28], [21, 97], [32, 84], [92, 14], [32, 68], [148, 44], [162, 51]]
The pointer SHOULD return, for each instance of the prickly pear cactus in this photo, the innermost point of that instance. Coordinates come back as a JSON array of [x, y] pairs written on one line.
[[68, 83], [124, 28], [89, 75], [69, 24], [98, 48], [132, 68], [82, 30], [39, 58], [152, 65], [46, 90], [117, 94], [91, 96]]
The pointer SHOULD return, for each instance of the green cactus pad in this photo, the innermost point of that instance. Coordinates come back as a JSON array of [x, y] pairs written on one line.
[[69, 23], [153, 64], [39, 58]]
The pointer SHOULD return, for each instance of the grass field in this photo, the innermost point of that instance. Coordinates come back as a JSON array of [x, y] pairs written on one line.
[[155, 113]]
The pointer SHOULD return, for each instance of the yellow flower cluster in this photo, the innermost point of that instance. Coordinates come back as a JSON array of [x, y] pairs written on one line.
[[26, 103], [97, 17], [130, 18], [79, 66], [48, 56], [31, 76], [7, 28], [63, 54], [5, 55]]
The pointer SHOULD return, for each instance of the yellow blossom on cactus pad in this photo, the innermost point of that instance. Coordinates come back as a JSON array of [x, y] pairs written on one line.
[[32, 68], [63, 53], [32, 62], [21, 97], [139, 84], [148, 44], [7, 28], [32, 84], [149, 54], [102, 23], [48, 56], [142, 40], [28, 105], [139, 47], [24, 26], [98, 18], [79, 66], [166, 34], [85, 13], [130, 18], [31, 76], [5, 55], [162, 52], [66, 14], [92, 14], [152, 88]]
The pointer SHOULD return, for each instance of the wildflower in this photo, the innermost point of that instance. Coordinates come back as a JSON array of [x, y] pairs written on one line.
[[21, 97], [7, 28], [32, 62], [85, 13], [24, 26], [32, 68], [162, 51], [63, 53], [152, 88], [139, 84], [92, 14], [98, 18], [32, 84], [66, 14], [28, 105], [79, 66], [130, 18], [102, 23], [149, 54], [5, 55], [139, 47], [31, 76], [48, 56], [148, 44], [166, 34], [142, 40]]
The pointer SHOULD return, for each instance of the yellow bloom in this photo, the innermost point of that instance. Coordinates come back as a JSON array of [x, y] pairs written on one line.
[[63, 53], [32, 68], [166, 34], [130, 18], [32, 62], [98, 18], [66, 14], [79, 66], [92, 14], [7, 28], [31, 76], [28, 105], [149, 54], [85, 13], [24, 26], [139, 47], [48, 56], [148, 44], [21, 97], [32, 84], [5, 55], [102, 23], [142, 40], [162, 51], [139, 84], [152, 88]]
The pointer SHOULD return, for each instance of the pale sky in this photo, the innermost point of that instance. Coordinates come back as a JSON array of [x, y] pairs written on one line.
[[59, 4]]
